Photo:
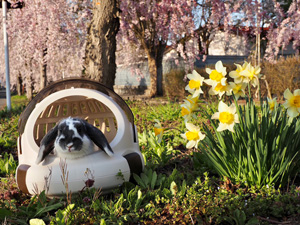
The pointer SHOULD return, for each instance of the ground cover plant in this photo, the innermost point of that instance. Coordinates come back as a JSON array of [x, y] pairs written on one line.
[[178, 186]]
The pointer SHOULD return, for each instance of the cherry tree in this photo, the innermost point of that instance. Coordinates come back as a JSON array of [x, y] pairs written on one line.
[[148, 26], [209, 17], [252, 19], [285, 31], [47, 40]]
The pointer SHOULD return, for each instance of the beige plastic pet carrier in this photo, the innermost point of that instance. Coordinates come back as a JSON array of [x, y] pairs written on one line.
[[98, 105]]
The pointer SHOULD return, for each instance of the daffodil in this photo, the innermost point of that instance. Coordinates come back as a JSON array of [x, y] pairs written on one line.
[[292, 103], [189, 106], [158, 130], [236, 74], [272, 103], [186, 111], [193, 135], [36, 222], [227, 116], [193, 100], [195, 84], [238, 89], [251, 74], [219, 89], [217, 75]]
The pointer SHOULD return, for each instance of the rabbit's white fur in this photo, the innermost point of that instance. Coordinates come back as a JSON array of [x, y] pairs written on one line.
[[87, 146]]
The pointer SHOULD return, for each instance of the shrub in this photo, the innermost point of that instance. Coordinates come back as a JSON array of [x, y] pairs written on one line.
[[283, 74], [174, 84]]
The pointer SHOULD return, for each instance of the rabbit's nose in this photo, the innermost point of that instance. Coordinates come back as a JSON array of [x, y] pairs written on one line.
[[69, 146]]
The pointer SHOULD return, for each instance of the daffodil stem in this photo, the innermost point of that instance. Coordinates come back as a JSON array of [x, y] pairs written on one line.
[[259, 93], [249, 91]]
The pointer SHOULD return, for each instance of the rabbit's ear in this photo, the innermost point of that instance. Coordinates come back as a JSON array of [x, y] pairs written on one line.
[[47, 144], [98, 138]]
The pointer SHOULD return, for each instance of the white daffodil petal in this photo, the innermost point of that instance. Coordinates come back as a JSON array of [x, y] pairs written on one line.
[[215, 116], [232, 108], [236, 118], [292, 112], [208, 70], [191, 144], [223, 81], [297, 92], [222, 127], [195, 73], [230, 127], [234, 74], [202, 136], [190, 126], [222, 107], [209, 82], [286, 104], [219, 66]]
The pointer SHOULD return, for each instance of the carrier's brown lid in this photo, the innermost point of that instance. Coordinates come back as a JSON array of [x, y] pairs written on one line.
[[72, 83]]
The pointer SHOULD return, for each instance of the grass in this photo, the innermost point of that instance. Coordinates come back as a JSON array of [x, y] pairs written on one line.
[[177, 186]]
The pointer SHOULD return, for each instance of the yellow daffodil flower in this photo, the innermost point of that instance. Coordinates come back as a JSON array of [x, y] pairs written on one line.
[[251, 74], [217, 75], [272, 103], [189, 106], [236, 74], [195, 84], [186, 111], [227, 117], [193, 101], [237, 89], [219, 89], [36, 222], [158, 130], [292, 103], [193, 135]]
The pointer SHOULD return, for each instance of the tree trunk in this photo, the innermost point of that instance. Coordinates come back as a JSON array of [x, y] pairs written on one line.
[[153, 75], [29, 88], [100, 50], [159, 65], [43, 71], [29, 80], [155, 59], [19, 84]]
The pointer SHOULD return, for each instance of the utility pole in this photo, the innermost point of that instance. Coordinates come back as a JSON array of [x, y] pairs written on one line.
[[8, 98], [5, 5]]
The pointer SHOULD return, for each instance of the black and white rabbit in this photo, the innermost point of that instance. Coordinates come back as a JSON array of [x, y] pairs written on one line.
[[73, 138]]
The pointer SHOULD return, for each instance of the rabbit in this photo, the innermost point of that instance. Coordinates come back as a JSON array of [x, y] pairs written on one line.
[[72, 138]]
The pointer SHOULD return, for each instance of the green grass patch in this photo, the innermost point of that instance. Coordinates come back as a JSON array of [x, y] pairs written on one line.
[[177, 186]]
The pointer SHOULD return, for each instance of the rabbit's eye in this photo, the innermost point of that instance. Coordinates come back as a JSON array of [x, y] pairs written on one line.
[[79, 130]]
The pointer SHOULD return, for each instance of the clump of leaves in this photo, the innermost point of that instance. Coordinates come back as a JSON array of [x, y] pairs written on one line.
[[8, 165], [9, 129], [39, 206], [155, 153]]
